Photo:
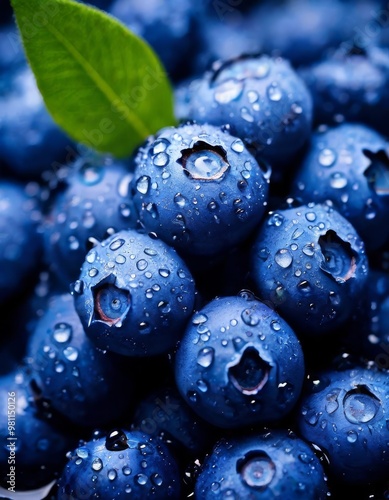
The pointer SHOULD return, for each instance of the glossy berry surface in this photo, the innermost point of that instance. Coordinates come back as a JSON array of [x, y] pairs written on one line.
[[269, 464], [20, 240], [349, 165], [70, 370], [121, 465], [134, 294], [262, 100], [345, 413], [239, 363], [199, 189], [93, 201], [310, 264]]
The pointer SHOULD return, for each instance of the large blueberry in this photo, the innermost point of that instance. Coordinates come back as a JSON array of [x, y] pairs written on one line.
[[135, 294], [351, 85], [121, 465], [199, 189], [262, 100], [345, 413], [263, 465], [310, 264], [239, 363], [349, 165]]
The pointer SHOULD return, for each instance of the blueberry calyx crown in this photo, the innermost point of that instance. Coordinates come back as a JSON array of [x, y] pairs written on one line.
[[204, 162], [339, 260], [377, 172], [256, 469], [250, 374]]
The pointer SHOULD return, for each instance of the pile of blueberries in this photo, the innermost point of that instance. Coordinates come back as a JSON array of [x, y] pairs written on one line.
[[208, 318]]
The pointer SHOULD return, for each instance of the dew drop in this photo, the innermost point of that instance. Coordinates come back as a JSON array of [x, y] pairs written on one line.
[[327, 157], [205, 357], [250, 317], [228, 91], [116, 244], [283, 258], [160, 160], [143, 184], [62, 332], [112, 475], [70, 353], [237, 146], [97, 464], [274, 92], [338, 180]]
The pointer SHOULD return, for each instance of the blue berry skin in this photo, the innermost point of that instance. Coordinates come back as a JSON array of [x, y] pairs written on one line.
[[30, 141], [266, 465], [239, 363], [70, 370], [199, 189], [41, 443], [169, 26], [124, 464], [349, 165], [311, 265], [134, 295], [263, 102], [93, 202], [164, 414], [368, 332], [20, 239], [351, 86], [345, 413]]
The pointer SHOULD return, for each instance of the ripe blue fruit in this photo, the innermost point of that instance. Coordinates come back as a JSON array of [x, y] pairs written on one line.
[[239, 363], [351, 85], [70, 370], [310, 264], [345, 413], [349, 165], [267, 465], [199, 189], [134, 294], [262, 100], [93, 202], [124, 464]]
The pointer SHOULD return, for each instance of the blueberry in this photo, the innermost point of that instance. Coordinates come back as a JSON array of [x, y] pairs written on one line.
[[267, 465], [351, 86], [345, 413], [170, 27], [164, 414], [123, 464], [30, 435], [20, 240], [239, 363], [134, 294], [199, 189], [93, 202], [349, 165], [310, 264], [262, 100], [70, 370]]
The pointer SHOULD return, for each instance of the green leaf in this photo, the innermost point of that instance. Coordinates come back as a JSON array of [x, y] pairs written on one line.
[[102, 84]]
